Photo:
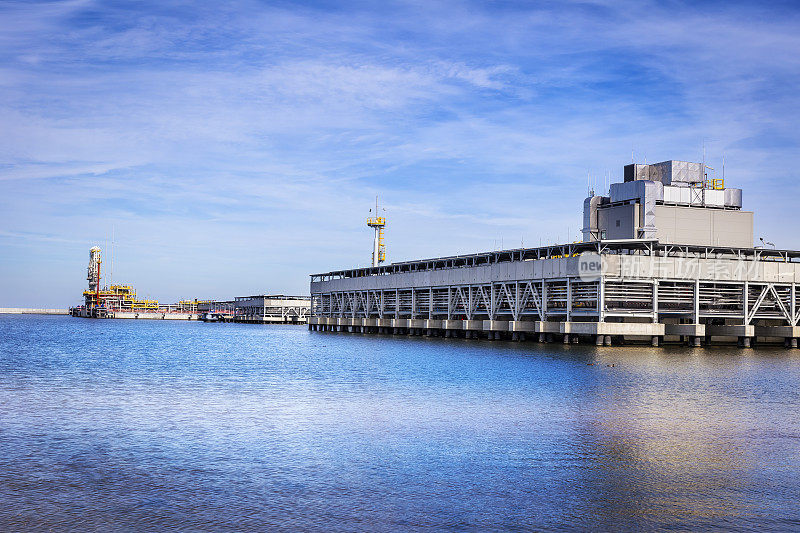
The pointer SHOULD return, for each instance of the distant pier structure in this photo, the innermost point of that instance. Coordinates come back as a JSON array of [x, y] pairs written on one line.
[[271, 309], [120, 301], [667, 256]]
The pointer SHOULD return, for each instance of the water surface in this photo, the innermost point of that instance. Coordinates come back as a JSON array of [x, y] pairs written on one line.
[[150, 425]]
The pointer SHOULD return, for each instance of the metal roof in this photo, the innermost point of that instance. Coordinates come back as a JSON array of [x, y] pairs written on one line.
[[616, 247]]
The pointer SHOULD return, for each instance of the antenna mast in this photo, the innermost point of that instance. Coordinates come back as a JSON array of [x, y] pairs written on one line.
[[378, 223], [111, 260]]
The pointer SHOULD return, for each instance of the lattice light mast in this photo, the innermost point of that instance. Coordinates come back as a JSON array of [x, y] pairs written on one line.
[[378, 248]]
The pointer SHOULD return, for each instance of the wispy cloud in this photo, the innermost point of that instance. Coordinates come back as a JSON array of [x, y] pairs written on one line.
[[251, 138]]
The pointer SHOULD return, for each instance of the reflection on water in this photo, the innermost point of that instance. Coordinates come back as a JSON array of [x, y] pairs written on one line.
[[151, 425]]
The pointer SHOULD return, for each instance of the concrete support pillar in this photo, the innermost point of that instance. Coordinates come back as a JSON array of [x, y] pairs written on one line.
[[566, 339], [515, 336], [598, 341], [793, 343], [542, 337], [575, 339], [654, 341], [607, 340], [744, 342]]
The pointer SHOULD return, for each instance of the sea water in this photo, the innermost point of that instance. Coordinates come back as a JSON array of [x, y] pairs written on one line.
[[155, 425]]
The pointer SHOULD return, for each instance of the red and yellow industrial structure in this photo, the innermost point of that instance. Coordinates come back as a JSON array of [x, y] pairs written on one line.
[[104, 302]]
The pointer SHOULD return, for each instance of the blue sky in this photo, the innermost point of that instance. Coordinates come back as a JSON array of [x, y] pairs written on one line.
[[236, 147]]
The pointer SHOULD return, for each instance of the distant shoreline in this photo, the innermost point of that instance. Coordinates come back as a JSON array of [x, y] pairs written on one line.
[[31, 311]]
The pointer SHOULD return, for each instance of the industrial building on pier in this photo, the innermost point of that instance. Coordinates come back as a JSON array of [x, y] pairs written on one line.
[[667, 256]]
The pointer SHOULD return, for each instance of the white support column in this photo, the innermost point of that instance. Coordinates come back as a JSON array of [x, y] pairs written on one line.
[[544, 301], [492, 297], [569, 299], [696, 298], [746, 303], [413, 303], [655, 301], [430, 303], [601, 299], [449, 303]]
